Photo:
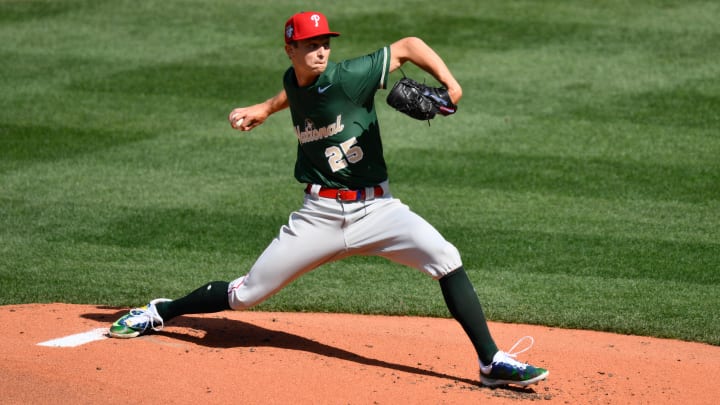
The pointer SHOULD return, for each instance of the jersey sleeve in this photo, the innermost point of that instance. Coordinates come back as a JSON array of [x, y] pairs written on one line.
[[363, 76]]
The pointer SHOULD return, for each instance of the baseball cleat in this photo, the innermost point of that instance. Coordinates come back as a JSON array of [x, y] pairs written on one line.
[[138, 320], [506, 370]]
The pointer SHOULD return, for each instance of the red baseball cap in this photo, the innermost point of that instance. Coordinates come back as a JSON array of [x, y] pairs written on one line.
[[307, 24]]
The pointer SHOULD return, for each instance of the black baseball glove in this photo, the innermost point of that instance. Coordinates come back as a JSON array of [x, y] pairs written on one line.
[[420, 101]]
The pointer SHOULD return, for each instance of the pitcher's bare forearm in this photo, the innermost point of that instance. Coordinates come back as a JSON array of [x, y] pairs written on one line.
[[247, 118], [416, 51]]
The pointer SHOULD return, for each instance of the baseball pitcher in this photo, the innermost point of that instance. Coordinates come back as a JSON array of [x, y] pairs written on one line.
[[348, 207]]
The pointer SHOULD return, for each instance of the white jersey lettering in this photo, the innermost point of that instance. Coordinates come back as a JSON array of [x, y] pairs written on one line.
[[310, 133]]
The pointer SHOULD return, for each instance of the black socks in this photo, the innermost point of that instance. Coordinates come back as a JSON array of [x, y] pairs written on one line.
[[459, 294], [212, 297], [464, 305]]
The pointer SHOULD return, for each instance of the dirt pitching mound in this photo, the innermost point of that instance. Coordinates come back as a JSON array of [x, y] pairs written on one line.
[[58, 353]]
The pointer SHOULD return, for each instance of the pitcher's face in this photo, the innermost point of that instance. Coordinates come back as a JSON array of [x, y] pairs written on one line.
[[309, 58]]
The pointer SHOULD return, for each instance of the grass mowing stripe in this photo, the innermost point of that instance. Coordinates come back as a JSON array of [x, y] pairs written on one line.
[[610, 304], [562, 175]]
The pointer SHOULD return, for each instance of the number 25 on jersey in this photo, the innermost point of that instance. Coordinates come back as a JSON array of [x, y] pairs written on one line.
[[340, 156]]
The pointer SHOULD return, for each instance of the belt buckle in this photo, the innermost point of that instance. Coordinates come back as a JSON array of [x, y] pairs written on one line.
[[342, 195]]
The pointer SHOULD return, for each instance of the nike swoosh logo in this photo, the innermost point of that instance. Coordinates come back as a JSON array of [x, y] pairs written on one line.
[[322, 90]]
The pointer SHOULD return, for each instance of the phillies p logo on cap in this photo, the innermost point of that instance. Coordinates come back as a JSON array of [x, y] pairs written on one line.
[[307, 24]]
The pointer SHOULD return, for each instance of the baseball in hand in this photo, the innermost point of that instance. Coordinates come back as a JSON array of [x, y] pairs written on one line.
[[239, 122]]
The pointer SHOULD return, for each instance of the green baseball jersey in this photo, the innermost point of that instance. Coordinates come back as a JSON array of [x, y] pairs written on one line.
[[336, 124]]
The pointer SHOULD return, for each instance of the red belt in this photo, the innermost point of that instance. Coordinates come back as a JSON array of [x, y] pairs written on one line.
[[344, 194]]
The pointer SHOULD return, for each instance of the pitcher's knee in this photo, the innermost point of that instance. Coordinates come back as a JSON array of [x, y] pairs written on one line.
[[240, 296], [445, 260]]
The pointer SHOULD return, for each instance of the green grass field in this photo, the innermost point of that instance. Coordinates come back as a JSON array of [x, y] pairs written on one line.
[[580, 178]]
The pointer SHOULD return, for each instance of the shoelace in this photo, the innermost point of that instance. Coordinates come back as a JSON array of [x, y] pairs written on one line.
[[162, 323], [514, 354], [510, 356], [150, 317]]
